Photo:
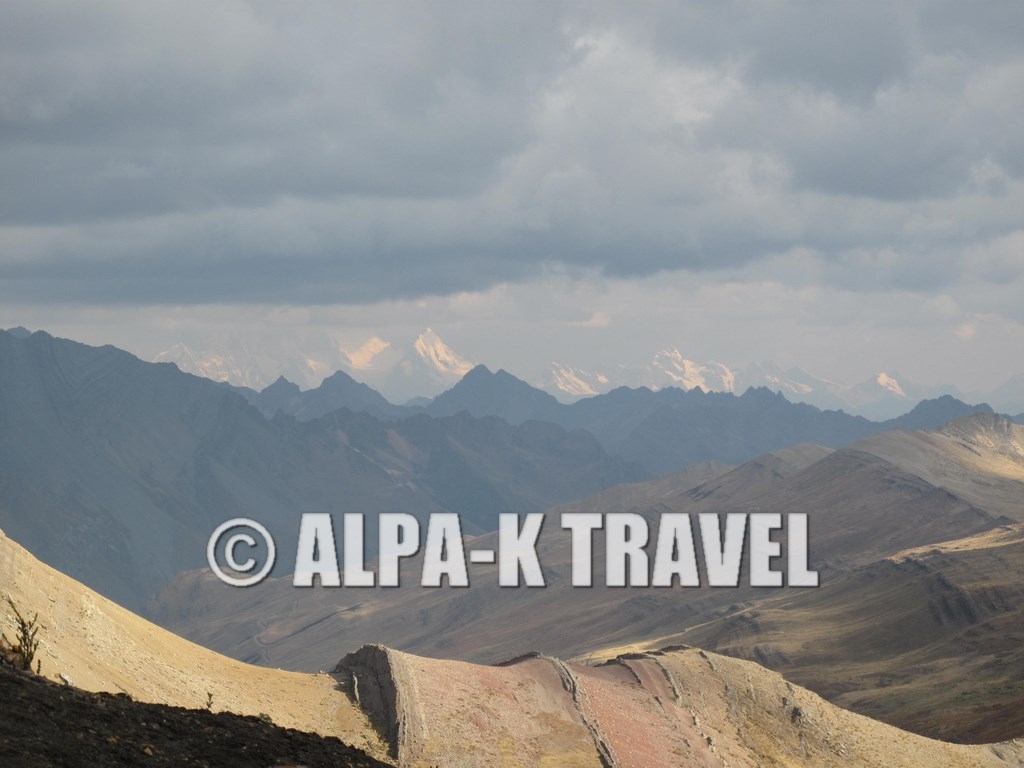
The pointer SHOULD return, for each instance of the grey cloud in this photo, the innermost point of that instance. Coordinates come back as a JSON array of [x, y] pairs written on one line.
[[849, 49], [171, 116], [266, 152], [992, 31], [853, 50]]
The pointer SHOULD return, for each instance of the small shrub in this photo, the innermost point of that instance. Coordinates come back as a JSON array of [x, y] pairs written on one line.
[[22, 652]]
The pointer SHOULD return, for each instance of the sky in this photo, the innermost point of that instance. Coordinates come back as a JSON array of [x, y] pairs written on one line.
[[834, 185]]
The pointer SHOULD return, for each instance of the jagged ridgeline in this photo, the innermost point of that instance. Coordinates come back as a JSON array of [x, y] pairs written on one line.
[[135, 463]]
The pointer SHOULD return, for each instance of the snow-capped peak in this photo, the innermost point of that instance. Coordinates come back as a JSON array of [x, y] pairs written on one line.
[[211, 365], [439, 356], [885, 381], [670, 368], [179, 354], [575, 382], [367, 356]]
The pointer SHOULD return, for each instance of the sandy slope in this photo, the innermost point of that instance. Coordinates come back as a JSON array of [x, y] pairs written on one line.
[[100, 646]]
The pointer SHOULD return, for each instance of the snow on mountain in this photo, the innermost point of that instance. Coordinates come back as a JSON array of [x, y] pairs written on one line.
[[881, 397], [670, 369], [426, 366], [885, 381], [441, 359], [215, 366], [794, 383], [574, 382], [880, 387], [368, 356]]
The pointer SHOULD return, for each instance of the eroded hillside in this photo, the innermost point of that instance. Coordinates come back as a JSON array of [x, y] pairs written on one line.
[[674, 707], [671, 707], [930, 639]]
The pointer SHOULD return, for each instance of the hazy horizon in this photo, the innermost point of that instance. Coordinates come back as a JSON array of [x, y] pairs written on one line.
[[378, 364]]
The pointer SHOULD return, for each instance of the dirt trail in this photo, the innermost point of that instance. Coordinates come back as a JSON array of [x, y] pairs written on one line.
[[572, 685]]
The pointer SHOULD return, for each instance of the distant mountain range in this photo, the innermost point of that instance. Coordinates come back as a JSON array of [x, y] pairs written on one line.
[[427, 366], [133, 464], [661, 430], [881, 397], [115, 452], [669, 428]]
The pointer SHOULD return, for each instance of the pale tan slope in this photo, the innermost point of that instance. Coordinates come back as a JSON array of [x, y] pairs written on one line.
[[759, 719], [979, 458], [100, 646], [658, 710]]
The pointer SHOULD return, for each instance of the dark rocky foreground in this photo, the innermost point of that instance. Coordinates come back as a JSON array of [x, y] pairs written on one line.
[[45, 724]]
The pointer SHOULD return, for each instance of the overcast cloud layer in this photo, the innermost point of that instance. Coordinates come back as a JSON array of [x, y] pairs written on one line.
[[821, 160]]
